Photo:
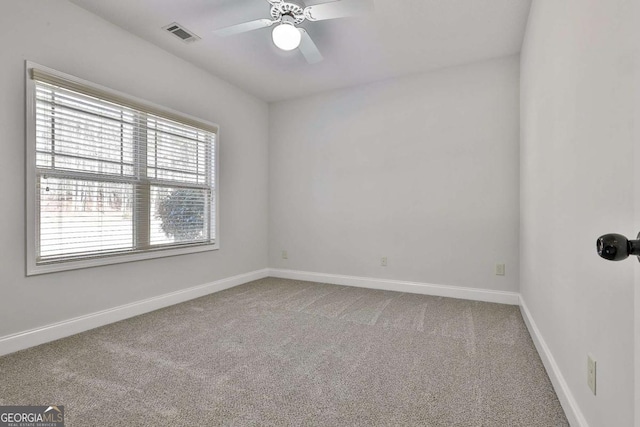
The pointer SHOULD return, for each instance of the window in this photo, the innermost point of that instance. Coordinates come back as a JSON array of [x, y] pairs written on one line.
[[111, 178]]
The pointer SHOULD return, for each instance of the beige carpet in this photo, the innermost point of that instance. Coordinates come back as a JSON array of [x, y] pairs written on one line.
[[279, 352]]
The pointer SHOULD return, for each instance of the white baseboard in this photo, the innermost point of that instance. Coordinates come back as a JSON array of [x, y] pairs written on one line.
[[568, 402], [37, 336], [474, 294]]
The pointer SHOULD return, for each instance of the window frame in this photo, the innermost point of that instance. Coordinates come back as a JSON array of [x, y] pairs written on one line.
[[32, 208]]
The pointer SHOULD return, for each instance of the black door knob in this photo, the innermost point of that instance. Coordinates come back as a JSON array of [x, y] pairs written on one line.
[[616, 247]]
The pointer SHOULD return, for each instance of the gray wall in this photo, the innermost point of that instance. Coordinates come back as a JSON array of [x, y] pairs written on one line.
[[62, 36], [576, 184], [422, 170]]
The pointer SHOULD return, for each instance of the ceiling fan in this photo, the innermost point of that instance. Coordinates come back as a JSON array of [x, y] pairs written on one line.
[[286, 35]]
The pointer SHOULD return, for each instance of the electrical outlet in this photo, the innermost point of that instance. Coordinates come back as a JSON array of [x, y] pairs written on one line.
[[499, 269], [383, 261], [591, 373], [285, 255]]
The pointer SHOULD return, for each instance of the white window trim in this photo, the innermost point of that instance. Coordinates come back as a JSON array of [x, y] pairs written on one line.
[[32, 268]]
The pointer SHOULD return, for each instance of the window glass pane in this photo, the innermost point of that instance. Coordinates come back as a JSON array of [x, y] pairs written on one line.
[[84, 217], [179, 215]]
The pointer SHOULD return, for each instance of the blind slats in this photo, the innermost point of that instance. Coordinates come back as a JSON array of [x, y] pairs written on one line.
[[116, 98]]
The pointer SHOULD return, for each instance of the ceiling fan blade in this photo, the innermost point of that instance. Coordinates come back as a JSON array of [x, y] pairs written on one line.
[[308, 48], [338, 9], [244, 27]]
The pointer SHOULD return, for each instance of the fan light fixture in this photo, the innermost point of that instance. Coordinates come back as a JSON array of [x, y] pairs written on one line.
[[286, 17], [286, 37]]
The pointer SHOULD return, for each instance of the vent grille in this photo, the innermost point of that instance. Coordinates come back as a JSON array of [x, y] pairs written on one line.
[[181, 32]]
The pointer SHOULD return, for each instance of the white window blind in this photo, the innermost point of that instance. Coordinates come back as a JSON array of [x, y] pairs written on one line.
[[115, 175]]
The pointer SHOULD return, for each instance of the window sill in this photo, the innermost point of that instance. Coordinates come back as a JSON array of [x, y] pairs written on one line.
[[34, 269]]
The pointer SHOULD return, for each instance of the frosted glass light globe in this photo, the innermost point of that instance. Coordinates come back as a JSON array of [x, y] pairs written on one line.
[[286, 36]]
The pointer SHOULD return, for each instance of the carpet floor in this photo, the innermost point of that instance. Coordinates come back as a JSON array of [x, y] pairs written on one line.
[[280, 352]]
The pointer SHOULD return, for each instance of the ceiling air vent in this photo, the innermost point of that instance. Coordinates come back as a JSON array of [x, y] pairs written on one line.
[[181, 32]]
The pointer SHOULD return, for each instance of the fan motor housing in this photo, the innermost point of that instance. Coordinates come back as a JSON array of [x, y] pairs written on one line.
[[291, 9]]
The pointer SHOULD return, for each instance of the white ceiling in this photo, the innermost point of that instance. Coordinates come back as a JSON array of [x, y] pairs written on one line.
[[400, 37]]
